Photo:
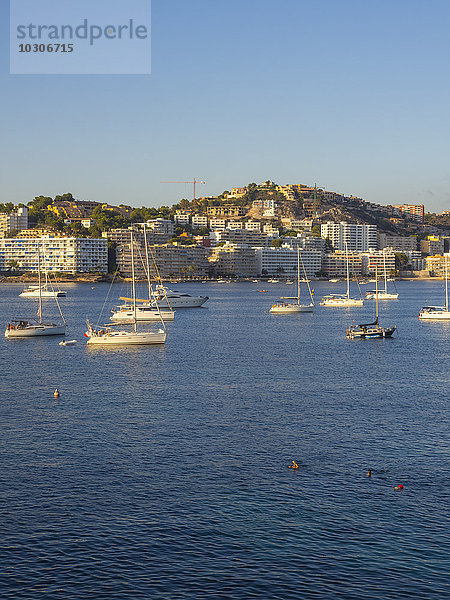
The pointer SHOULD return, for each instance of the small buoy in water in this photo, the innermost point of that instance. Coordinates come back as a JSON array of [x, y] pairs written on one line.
[[293, 466], [398, 487], [369, 473], [56, 393]]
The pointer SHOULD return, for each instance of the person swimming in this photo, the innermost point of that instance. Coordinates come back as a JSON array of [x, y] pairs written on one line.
[[294, 465]]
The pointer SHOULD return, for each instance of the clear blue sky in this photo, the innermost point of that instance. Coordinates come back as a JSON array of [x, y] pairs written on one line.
[[349, 94]]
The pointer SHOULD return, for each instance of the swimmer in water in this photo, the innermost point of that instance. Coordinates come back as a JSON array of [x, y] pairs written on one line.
[[369, 473], [294, 465]]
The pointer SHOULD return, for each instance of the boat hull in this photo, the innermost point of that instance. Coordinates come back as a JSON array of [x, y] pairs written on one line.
[[291, 308], [44, 294], [126, 338], [341, 302], [182, 302], [381, 296], [143, 314], [35, 331], [435, 315], [370, 332]]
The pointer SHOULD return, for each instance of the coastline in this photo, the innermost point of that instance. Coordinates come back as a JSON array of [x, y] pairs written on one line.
[[107, 278]]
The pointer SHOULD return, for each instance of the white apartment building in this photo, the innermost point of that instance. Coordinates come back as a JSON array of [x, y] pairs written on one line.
[[182, 217], [220, 224], [13, 221], [253, 225], [357, 238], [283, 262], [160, 225], [199, 221], [233, 225], [65, 255]]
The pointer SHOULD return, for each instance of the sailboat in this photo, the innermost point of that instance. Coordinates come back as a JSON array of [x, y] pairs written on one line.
[[45, 291], [371, 330], [22, 328], [342, 299], [148, 310], [282, 307], [370, 295], [108, 336], [438, 313]]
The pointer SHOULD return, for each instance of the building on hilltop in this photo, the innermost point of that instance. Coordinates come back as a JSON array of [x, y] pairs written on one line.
[[217, 224], [226, 210], [351, 236], [182, 217], [237, 192], [415, 212], [253, 225], [57, 254], [13, 221], [199, 221]]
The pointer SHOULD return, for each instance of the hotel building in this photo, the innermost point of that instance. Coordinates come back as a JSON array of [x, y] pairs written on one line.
[[351, 236], [65, 255]]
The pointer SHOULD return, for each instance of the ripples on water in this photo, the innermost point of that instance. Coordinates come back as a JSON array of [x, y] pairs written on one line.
[[162, 472]]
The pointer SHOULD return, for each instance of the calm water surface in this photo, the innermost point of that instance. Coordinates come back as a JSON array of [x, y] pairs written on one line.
[[161, 472]]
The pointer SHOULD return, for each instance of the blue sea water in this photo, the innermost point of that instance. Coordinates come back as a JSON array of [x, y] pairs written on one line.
[[161, 472]]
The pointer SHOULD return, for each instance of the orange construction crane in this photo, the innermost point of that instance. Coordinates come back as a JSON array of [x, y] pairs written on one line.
[[194, 182]]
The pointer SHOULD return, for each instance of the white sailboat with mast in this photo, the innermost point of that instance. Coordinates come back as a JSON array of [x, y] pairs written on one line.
[[23, 328], [342, 299], [371, 330], [147, 310], [108, 336], [383, 295], [282, 307], [438, 313]]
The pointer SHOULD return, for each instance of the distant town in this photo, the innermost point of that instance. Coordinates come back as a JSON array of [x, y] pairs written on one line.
[[252, 231]]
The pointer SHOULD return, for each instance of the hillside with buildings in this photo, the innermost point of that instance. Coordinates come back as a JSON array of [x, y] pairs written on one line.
[[246, 232]]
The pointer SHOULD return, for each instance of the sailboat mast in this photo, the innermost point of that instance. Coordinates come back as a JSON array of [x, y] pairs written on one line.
[[147, 261], [298, 275], [348, 273], [446, 284], [133, 277], [40, 289], [376, 292]]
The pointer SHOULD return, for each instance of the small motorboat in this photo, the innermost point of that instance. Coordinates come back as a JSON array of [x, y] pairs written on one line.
[[68, 343]]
